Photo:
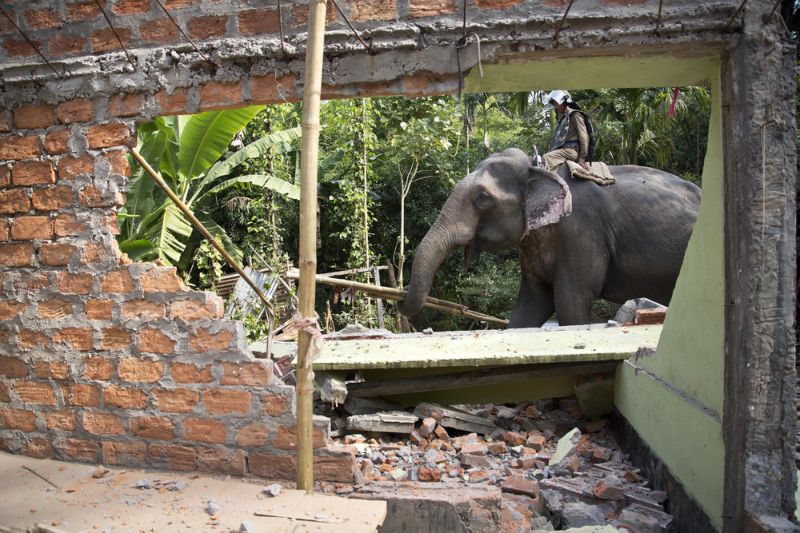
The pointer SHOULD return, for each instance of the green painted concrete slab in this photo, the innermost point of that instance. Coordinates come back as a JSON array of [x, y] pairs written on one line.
[[488, 348]]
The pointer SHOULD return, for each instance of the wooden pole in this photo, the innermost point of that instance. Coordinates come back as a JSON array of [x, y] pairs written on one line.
[[202, 229], [312, 88], [388, 293]]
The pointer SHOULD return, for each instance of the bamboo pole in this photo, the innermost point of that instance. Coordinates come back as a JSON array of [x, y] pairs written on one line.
[[199, 227], [312, 88], [388, 293]]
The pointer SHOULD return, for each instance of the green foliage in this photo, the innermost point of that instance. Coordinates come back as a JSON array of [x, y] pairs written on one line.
[[188, 151], [208, 262]]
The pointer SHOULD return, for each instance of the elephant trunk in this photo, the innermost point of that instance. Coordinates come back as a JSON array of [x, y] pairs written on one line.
[[443, 237]]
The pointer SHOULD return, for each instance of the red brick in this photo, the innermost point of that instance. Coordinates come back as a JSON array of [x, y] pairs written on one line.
[[222, 401], [172, 456], [381, 9], [268, 90], [286, 438], [18, 419], [57, 142], [28, 340], [203, 340], [259, 21], [82, 395], [63, 45], [207, 27], [650, 316], [143, 310], [5, 392], [91, 196], [102, 424], [77, 338], [76, 111], [42, 19], [93, 252], [129, 7], [179, 4], [5, 123], [117, 281], [189, 373], [300, 14], [138, 370], [153, 427], [221, 460], [204, 430], [175, 401], [16, 255], [256, 374], [153, 341], [69, 283], [52, 198], [18, 147], [98, 368], [20, 47], [253, 434], [55, 308], [106, 40], [70, 167], [274, 404], [11, 310], [115, 339], [28, 228], [161, 279], [56, 254], [111, 224], [14, 201], [108, 135], [63, 420], [431, 8], [118, 162], [5, 176], [12, 367], [27, 173], [128, 105], [194, 310], [35, 116], [215, 95], [338, 468], [98, 309], [124, 453], [84, 10], [51, 369], [124, 398], [176, 103], [5, 229], [79, 450], [497, 4], [159, 31], [35, 392], [39, 447]]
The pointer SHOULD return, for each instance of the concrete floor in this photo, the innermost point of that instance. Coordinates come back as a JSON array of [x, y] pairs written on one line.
[[113, 503]]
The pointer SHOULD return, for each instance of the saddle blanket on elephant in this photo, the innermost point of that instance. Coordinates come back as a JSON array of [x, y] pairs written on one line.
[[598, 172]]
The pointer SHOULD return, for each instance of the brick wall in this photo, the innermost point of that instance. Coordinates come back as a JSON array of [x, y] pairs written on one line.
[[106, 361]]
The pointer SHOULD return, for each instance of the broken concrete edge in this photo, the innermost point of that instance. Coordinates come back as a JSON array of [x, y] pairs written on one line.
[[687, 513]]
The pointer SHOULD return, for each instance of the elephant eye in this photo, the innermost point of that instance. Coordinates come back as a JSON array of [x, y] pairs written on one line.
[[483, 200]]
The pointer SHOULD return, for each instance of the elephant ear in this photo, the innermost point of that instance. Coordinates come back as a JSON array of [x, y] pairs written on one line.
[[547, 199]]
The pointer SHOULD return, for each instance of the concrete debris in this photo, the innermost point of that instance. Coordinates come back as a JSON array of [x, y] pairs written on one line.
[[169, 485], [551, 476], [100, 472], [272, 490], [246, 527], [387, 422], [211, 508]]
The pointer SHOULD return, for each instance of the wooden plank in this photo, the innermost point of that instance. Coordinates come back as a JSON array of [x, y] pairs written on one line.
[[592, 343], [474, 378]]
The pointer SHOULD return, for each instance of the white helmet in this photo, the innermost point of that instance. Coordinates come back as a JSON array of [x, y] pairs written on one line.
[[558, 96]]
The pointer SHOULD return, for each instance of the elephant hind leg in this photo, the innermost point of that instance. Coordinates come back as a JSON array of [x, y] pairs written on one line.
[[534, 305], [573, 305]]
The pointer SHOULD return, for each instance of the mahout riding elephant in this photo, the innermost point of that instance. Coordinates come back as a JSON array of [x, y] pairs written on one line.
[[577, 240]]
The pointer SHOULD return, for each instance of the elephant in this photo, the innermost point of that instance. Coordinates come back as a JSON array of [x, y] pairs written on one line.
[[577, 240]]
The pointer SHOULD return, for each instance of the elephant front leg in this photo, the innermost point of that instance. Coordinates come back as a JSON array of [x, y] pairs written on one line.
[[573, 304], [534, 305]]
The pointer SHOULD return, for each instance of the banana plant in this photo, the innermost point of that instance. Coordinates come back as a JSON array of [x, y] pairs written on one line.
[[190, 154]]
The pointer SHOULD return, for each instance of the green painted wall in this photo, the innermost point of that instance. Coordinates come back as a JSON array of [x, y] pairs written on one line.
[[676, 403]]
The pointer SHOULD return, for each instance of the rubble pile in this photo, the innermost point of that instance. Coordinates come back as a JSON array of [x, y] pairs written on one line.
[[556, 469]]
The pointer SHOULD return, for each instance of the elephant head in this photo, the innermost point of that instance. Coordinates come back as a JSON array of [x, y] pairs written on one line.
[[493, 207]]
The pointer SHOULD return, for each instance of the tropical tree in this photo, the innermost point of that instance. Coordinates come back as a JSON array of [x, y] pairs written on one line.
[[188, 153]]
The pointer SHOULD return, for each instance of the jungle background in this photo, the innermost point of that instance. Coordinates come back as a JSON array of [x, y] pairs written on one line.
[[386, 167]]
